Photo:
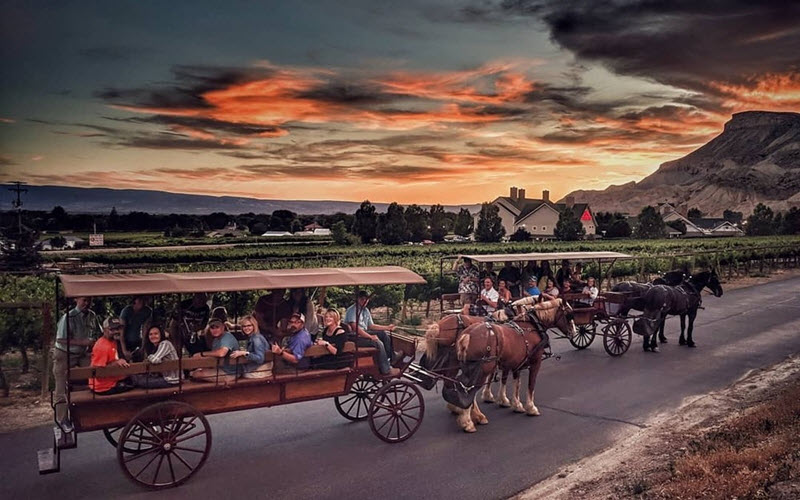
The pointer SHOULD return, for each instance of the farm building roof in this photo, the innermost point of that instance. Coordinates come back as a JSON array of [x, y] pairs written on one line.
[[228, 281]]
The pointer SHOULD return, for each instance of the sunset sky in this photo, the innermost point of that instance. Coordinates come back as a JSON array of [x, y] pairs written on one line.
[[420, 101]]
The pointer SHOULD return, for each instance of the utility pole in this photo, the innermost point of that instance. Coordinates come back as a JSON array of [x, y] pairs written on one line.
[[18, 202]]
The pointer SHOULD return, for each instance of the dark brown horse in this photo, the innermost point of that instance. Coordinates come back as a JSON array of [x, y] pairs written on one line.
[[485, 347]]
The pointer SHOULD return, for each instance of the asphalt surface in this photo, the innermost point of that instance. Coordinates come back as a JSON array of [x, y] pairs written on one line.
[[588, 401]]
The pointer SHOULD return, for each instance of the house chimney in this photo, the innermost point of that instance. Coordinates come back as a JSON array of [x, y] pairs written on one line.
[[521, 194], [569, 201], [546, 195], [513, 193]]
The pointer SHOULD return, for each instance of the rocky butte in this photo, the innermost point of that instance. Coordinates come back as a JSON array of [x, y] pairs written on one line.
[[756, 159]]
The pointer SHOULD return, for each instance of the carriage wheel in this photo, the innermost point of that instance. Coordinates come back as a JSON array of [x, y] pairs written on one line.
[[175, 440], [355, 406], [584, 337], [396, 411], [112, 436], [617, 337]]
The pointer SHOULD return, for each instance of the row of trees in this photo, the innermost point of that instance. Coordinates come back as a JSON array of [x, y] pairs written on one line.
[[399, 224]]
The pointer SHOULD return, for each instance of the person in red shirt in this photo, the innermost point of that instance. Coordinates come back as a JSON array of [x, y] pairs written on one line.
[[104, 353]]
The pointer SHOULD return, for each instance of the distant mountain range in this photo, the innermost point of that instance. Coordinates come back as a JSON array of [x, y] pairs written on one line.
[[756, 159], [101, 200]]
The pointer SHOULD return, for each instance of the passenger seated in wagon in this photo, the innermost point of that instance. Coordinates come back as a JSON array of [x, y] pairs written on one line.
[[104, 353], [590, 291], [489, 296], [256, 353], [503, 294], [532, 288], [381, 340], [333, 338], [136, 318], [223, 343], [292, 357], [157, 349], [551, 291]]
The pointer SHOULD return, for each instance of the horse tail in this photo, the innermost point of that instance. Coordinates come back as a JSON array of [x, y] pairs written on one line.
[[462, 345], [432, 341]]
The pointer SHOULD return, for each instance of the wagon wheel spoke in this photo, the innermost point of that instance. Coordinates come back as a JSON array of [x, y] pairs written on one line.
[[142, 454], [186, 438], [171, 469], [184, 462], [161, 457]]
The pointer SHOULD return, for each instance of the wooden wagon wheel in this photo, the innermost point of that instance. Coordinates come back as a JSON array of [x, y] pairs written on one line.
[[584, 336], [112, 436], [175, 441], [617, 337], [396, 411], [355, 405]]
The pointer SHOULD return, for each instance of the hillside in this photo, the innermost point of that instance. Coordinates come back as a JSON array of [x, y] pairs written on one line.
[[756, 159], [100, 200]]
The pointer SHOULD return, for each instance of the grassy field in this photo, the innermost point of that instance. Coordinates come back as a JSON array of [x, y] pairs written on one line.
[[145, 239]]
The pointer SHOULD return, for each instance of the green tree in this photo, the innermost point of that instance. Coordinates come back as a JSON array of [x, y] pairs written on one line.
[[694, 213], [296, 226], [490, 225], [651, 224], [392, 229], [113, 219], [281, 220], [732, 217], [521, 234], [619, 229], [760, 222], [439, 223], [340, 234], [215, 220], [464, 223], [791, 222], [417, 220], [366, 222], [569, 227]]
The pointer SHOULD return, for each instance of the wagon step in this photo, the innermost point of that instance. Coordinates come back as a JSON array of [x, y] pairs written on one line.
[[64, 440], [50, 458]]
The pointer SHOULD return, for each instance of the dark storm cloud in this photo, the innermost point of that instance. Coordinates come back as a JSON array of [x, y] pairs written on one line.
[[200, 123], [348, 93], [683, 43], [194, 81], [165, 140]]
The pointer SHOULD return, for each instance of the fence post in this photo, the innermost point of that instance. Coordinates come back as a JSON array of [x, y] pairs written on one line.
[[47, 340]]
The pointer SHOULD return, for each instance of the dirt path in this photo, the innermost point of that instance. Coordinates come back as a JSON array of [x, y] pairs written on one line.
[[643, 465]]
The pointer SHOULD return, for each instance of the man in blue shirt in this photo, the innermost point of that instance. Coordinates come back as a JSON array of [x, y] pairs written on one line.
[[381, 340], [292, 357], [223, 344]]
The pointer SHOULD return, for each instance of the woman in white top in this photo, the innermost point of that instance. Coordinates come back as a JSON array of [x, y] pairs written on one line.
[[489, 295], [590, 291]]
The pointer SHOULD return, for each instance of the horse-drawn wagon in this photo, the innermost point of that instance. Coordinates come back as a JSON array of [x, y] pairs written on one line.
[[162, 436], [608, 310]]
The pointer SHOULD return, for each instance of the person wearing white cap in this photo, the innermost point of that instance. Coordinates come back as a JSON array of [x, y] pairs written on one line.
[[292, 357]]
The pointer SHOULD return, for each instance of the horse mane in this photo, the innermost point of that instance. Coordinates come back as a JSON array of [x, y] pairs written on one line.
[[546, 311]]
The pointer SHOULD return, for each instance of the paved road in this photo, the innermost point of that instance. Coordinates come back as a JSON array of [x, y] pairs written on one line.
[[588, 400]]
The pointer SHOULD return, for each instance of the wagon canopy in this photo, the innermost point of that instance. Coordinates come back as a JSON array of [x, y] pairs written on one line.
[[572, 256], [98, 285]]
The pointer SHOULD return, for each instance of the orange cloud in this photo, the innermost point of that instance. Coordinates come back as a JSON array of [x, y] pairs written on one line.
[[772, 91]]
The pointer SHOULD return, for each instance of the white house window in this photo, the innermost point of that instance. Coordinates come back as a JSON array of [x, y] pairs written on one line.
[[544, 228], [534, 228]]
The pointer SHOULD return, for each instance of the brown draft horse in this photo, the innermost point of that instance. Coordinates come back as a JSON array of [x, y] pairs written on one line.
[[484, 347], [554, 313]]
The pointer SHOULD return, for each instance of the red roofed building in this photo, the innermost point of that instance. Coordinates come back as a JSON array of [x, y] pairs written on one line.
[[540, 216]]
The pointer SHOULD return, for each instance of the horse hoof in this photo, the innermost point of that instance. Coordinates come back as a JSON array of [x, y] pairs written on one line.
[[488, 400], [470, 429], [681, 342], [656, 349], [533, 413], [691, 344], [645, 349], [663, 340], [519, 409], [482, 421]]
